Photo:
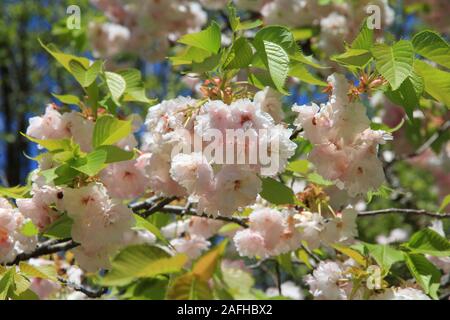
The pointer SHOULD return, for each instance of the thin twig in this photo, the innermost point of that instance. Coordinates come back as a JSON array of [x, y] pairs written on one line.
[[87, 291], [45, 249], [404, 211], [191, 212]]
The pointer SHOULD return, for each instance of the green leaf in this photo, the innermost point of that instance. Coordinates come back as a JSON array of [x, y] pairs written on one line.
[[63, 58], [430, 242], [408, 94], [52, 144], [6, 283], [141, 261], [135, 90], [208, 39], [308, 60], [276, 61], [67, 99], [384, 255], [142, 223], [60, 228], [116, 85], [299, 70], [355, 255], [240, 55], [235, 21], [29, 229], [425, 273], [279, 35], [109, 130], [116, 154], [189, 287], [299, 166], [353, 57], [206, 265], [276, 192], [16, 192], [85, 76], [395, 63], [42, 272], [432, 46], [437, 82], [445, 202], [190, 55], [208, 65], [364, 40], [316, 178], [94, 162]]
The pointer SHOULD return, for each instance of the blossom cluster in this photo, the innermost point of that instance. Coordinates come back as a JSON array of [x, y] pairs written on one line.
[[331, 280], [145, 27], [345, 147], [273, 232], [196, 148], [12, 240]]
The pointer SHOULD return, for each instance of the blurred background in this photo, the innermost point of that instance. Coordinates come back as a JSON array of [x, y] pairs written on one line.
[[142, 33]]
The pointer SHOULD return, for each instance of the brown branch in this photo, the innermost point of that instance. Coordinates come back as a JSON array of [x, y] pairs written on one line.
[[181, 211], [91, 293], [45, 248], [404, 211]]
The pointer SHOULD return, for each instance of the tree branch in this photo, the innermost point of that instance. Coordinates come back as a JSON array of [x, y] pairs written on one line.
[[404, 211], [48, 247], [87, 291]]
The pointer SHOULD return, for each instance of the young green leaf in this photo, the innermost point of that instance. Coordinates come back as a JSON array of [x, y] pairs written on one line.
[[425, 273], [276, 192], [437, 82], [108, 130], [430, 242], [395, 63], [432, 46], [208, 39], [116, 85]]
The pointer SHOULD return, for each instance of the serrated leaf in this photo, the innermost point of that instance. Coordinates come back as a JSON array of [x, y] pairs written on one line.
[[85, 76], [206, 265], [189, 56], [299, 70], [395, 63], [63, 58], [116, 154], [354, 57], [355, 255], [208, 39], [52, 144], [141, 261], [142, 223], [279, 35], [430, 242], [67, 99], [240, 55], [109, 130], [135, 90], [384, 255], [276, 192], [276, 61], [189, 287], [425, 273], [408, 94], [116, 85], [43, 272], [94, 162], [432, 46], [60, 228], [364, 39], [437, 82]]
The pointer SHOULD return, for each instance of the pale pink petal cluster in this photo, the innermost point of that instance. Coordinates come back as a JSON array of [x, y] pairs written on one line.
[[213, 151], [12, 241], [192, 246], [345, 148], [144, 27], [100, 224]]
